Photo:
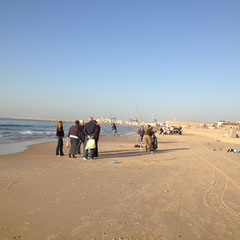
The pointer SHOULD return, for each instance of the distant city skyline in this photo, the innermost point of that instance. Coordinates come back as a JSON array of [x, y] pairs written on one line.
[[72, 59]]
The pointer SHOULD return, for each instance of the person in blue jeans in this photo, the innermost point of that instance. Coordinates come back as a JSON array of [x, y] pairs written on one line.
[[90, 130]]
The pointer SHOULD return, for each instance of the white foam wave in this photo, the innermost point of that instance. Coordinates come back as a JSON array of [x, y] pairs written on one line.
[[26, 133]]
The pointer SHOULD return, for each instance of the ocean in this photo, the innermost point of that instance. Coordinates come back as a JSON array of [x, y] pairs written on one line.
[[16, 134]]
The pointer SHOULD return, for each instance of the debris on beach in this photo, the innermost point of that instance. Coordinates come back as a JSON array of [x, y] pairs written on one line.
[[18, 237]]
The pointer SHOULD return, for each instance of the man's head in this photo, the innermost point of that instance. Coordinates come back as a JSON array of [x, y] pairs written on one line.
[[81, 122], [90, 119], [77, 122]]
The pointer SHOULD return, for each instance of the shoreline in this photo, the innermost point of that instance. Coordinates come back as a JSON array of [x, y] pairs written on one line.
[[69, 121], [22, 146], [18, 147]]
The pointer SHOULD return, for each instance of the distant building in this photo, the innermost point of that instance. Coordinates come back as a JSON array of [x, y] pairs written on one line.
[[133, 121], [154, 120], [230, 125], [189, 124], [221, 122]]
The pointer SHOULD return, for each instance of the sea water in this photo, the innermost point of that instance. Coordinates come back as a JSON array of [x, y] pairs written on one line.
[[16, 134]]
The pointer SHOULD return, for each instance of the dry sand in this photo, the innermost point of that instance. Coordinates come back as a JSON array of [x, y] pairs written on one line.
[[189, 189]]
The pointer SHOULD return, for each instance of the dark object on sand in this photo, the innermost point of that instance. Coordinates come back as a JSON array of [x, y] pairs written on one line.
[[230, 150], [154, 143]]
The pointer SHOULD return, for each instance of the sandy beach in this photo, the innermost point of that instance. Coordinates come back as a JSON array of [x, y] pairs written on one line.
[[189, 189]]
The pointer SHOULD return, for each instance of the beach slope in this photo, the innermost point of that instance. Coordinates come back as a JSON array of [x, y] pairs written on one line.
[[189, 189]]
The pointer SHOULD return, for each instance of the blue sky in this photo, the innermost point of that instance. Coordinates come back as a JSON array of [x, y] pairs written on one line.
[[71, 59]]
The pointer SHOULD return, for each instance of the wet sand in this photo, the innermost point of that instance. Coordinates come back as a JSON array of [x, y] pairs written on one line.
[[189, 189]]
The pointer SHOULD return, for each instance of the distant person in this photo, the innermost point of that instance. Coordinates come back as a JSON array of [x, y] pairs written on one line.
[[148, 138], [114, 128], [141, 133], [90, 130], [60, 135], [74, 135], [97, 138], [161, 130], [82, 136]]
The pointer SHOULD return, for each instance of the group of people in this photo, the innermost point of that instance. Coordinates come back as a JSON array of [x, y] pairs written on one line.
[[149, 137], [87, 135], [79, 134]]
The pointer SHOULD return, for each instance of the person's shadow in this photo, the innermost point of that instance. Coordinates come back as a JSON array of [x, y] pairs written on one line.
[[137, 152]]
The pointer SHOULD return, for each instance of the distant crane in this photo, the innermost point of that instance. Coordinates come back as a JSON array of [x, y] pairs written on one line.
[[139, 114]]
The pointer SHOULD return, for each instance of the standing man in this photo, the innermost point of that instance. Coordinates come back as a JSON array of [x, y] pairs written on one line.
[[141, 133], [82, 136], [89, 130], [97, 138], [148, 138]]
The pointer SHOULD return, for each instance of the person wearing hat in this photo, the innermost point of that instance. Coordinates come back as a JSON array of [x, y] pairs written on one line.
[[148, 138]]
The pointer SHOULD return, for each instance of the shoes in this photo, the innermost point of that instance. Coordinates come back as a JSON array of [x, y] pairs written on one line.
[[62, 154], [74, 156], [91, 158], [85, 159], [69, 156]]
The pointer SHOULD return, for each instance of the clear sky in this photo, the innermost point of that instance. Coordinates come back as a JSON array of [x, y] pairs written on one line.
[[70, 59]]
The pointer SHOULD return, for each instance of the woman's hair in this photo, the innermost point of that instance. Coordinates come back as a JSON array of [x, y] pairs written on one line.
[[59, 125]]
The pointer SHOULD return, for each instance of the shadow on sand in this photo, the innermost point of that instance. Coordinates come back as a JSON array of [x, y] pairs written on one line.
[[131, 153]]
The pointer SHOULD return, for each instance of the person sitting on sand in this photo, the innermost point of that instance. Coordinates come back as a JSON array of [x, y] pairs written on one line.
[[74, 135], [90, 130], [148, 138], [60, 135]]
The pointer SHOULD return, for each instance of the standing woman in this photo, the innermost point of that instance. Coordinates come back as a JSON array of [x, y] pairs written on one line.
[[74, 135], [60, 135]]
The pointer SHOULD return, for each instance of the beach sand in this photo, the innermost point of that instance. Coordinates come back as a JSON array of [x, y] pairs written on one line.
[[189, 189]]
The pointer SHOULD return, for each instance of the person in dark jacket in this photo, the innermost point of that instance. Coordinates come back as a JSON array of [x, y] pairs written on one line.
[[60, 135], [141, 133], [114, 128], [90, 130], [97, 138], [82, 138], [74, 135]]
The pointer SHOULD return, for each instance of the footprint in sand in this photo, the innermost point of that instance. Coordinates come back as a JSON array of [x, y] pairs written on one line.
[[34, 211], [8, 187], [53, 236]]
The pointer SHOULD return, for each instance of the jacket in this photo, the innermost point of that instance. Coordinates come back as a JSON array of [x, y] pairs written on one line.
[[141, 131], [149, 132], [81, 128], [75, 131], [60, 132], [90, 129], [98, 132]]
